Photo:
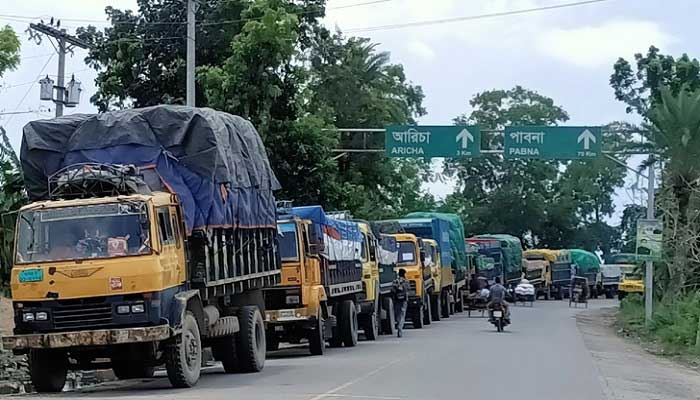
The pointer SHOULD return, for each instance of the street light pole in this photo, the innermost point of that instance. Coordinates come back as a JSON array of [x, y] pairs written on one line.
[[649, 269], [190, 52]]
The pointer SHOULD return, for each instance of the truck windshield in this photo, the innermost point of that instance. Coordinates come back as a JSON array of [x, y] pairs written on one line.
[[83, 232], [407, 253], [288, 241]]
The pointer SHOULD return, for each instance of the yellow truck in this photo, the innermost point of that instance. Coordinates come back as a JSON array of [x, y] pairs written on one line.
[[412, 257], [330, 285], [632, 281], [142, 259], [552, 268]]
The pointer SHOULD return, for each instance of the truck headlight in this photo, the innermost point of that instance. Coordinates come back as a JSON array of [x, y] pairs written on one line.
[[292, 299], [28, 317], [124, 309], [42, 316], [138, 309]]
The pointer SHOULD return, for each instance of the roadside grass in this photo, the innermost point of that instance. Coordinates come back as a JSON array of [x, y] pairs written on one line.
[[675, 329]]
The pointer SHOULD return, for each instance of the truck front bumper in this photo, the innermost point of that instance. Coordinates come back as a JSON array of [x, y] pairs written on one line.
[[101, 337], [288, 315]]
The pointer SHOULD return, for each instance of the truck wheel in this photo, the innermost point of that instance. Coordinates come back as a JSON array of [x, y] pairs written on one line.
[[621, 295], [371, 325], [558, 295], [388, 324], [130, 369], [250, 341], [417, 318], [183, 358], [317, 337], [435, 304], [347, 325], [428, 315], [48, 369], [609, 294]]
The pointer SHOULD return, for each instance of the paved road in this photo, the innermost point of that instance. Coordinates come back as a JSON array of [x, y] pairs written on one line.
[[541, 356]]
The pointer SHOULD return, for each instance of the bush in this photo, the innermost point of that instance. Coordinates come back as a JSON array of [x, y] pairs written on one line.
[[675, 325]]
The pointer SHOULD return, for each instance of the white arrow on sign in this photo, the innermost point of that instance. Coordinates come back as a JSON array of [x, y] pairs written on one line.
[[465, 136], [587, 137]]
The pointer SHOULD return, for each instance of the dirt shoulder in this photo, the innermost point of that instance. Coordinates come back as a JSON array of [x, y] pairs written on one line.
[[6, 316], [626, 370]]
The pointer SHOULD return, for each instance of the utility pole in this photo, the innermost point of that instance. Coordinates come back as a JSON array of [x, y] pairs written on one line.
[[190, 52], [649, 268], [65, 43]]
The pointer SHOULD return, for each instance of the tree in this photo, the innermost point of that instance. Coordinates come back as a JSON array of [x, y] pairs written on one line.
[[641, 89], [628, 226], [507, 196], [362, 89], [9, 50], [676, 118]]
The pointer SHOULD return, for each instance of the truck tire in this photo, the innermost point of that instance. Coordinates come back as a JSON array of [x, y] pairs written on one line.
[[609, 294], [130, 369], [559, 295], [435, 305], [428, 315], [417, 318], [250, 341], [48, 369], [621, 295], [347, 323], [388, 324], [317, 337], [371, 322], [183, 358]]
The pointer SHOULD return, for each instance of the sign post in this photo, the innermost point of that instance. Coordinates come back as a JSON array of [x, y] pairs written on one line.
[[552, 142], [433, 141]]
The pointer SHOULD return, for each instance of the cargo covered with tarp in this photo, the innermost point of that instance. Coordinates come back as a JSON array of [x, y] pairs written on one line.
[[437, 229], [586, 262], [456, 233], [213, 161], [342, 239], [512, 254]]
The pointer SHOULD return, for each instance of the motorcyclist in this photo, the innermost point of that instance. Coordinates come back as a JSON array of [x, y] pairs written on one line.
[[497, 296]]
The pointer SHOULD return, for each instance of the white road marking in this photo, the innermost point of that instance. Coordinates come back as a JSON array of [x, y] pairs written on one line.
[[333, 392]]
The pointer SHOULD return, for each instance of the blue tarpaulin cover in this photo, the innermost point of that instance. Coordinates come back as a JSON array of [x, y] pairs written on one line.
[[343, 239], [215, 162]]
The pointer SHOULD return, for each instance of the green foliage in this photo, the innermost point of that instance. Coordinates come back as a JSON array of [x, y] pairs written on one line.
[[675, 324], [12, 197], [9, 50], [552, 204], [628, 226], [641, 89]]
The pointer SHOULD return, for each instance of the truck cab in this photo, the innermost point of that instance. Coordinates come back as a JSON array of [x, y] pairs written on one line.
[[412, 255]]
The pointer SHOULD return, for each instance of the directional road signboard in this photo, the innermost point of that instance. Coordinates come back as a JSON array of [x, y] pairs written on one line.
[[552, 142], [433, 141]]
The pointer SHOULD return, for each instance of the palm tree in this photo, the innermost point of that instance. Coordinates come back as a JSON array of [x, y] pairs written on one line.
[[676, 119], [12, 197]]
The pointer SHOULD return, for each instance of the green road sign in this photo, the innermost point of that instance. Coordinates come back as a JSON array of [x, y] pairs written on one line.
[[433, 141], [649, 239], [552, 142]]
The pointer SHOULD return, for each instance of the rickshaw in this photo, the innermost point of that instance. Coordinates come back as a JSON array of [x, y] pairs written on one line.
[[579, 291]]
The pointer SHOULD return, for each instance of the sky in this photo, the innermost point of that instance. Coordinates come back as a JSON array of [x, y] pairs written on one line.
[[566, 54]]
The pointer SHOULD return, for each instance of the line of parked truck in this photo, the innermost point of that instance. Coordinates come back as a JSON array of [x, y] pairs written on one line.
[[153, 234]]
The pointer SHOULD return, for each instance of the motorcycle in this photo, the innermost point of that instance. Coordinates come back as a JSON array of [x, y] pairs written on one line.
[[497, 316]]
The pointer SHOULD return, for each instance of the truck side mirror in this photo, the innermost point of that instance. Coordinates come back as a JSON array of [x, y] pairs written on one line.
[[316, 249]]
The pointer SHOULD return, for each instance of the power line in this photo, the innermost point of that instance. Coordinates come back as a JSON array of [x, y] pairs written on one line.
[[470, 17], [30, 89]]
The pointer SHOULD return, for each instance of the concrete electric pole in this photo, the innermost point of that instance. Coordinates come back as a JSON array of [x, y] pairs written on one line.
[[190, 52], [649, 267], [66, 43]]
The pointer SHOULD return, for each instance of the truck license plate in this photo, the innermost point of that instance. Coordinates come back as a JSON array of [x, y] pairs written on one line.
[[498, 314], [31, 275], [286, 314]]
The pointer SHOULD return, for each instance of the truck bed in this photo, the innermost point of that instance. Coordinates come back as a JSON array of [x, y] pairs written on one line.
[[226, 261]]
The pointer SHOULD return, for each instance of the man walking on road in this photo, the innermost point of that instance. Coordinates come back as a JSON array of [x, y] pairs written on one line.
[[400, 289]]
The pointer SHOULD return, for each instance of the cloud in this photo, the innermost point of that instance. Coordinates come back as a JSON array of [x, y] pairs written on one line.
[[598, 46], [421, 50]]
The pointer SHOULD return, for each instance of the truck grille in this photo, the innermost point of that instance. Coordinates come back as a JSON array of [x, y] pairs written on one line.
[[82, 315]]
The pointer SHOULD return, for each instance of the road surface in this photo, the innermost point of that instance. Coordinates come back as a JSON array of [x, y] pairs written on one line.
[[541, 356]]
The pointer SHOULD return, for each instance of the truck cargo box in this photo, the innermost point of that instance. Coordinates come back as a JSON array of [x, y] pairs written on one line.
[[457, 245]]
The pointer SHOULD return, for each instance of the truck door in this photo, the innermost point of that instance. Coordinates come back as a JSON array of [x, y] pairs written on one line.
[[169, 246]]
